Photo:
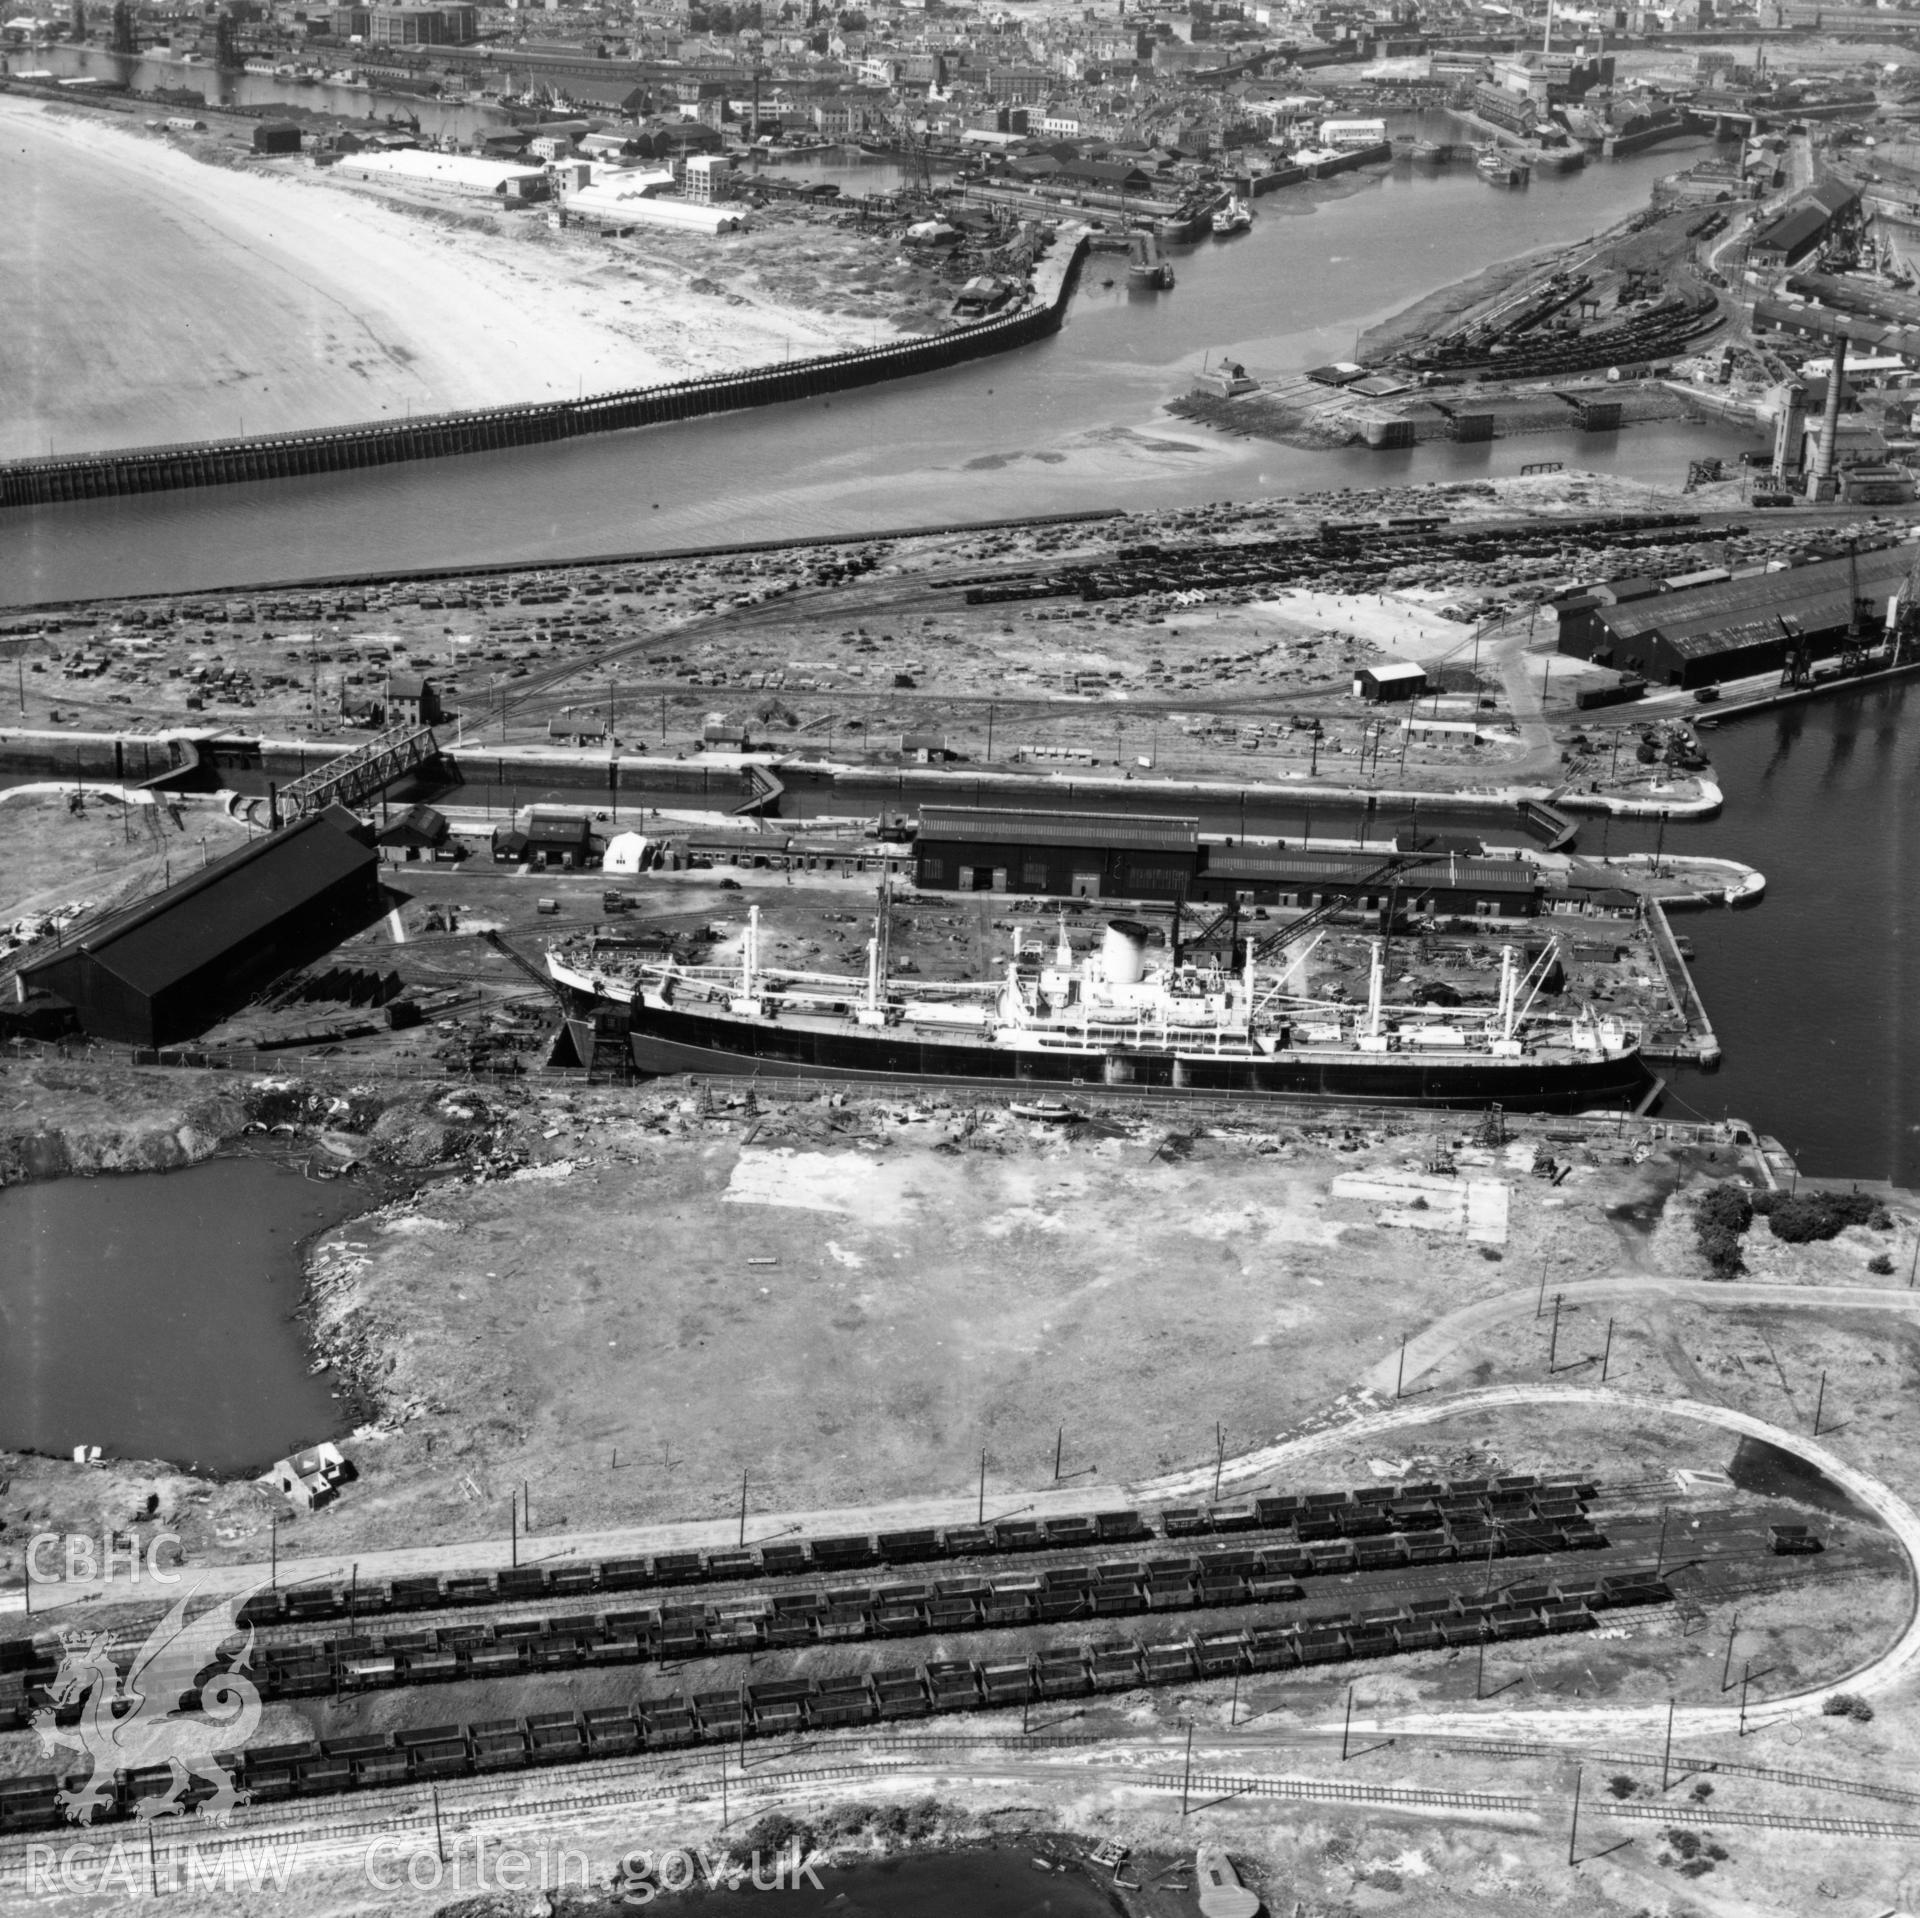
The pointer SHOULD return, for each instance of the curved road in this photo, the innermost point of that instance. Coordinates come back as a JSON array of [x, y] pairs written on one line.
[[1446, 1336], [1449, 1335]]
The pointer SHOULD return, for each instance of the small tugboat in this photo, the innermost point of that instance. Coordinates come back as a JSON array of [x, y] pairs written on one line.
[[1500, 169], [1235, 217]]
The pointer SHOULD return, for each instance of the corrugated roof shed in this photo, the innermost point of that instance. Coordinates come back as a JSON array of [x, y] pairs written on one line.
[[1812, 596], [230, 903], [1792, 233], [1633, 586], [1339, 869], [557, 825], [417, 826], [1126, 832], [1833, 194]]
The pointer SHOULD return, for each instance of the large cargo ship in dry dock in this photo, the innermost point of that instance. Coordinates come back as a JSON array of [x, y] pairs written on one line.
[[1110, 1019]]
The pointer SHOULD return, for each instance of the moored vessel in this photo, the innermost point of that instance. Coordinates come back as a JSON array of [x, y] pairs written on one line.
[[1146, 264], [1111, 1018]]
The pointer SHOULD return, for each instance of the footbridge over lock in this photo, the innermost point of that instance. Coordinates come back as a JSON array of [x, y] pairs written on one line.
[[361, 772]]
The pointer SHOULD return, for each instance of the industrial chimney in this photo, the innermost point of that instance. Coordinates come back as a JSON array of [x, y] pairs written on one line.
[[1825, 485]]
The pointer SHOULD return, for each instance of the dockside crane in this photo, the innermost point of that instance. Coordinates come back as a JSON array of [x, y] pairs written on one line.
[[1853, 652], [1387, 873], [1904, 621]]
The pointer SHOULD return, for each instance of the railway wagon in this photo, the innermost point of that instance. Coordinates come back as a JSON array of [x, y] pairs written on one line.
[[664, 1629], [1426, 1513], [785, 1706]]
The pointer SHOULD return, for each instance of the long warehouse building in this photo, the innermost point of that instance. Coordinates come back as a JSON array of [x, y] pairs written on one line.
[[1134, 857], [1731, 627], [167, 968]]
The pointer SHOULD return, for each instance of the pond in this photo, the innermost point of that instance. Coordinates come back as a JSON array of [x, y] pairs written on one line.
[[152, 1314]]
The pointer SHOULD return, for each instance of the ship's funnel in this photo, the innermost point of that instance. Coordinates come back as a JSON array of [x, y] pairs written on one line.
[[1123, 958]]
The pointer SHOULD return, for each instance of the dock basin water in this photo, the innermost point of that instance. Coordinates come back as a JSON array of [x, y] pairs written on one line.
[[153, 1314]]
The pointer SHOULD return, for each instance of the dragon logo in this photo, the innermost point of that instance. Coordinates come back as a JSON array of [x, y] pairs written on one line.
[[135, 1722]]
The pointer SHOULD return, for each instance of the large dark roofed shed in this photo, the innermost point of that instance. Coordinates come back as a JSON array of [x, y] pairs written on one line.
[[1134, 832], [169, 967], [1089, 855]]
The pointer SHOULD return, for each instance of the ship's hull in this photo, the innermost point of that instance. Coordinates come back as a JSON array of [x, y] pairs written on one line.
[[673, 1041]]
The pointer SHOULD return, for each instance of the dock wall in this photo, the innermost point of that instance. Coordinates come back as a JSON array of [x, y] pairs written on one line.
[[1700, 1046], [1805, 695], [58, 481], [818, 789]]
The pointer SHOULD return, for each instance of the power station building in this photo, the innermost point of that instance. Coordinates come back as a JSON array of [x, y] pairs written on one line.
[[167, 968]]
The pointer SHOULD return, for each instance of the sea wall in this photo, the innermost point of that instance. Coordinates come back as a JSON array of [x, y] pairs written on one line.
[[154, 469]]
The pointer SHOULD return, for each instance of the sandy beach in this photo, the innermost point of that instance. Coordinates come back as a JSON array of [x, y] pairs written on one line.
[[151, 298]]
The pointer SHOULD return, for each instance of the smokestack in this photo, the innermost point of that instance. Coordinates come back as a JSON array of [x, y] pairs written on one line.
[[1830, 420], [1789, 437]]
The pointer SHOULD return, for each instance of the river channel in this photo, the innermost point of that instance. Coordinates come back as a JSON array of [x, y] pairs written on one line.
[[151, 1314], [1071, 422]]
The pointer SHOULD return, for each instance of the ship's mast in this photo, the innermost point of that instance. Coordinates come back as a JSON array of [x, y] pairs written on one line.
[[1376, 988], [1507, 993], [750, 952]]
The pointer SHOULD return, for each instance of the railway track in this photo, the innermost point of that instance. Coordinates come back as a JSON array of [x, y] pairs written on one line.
[[1331, 1791], [1681, 1763], [1727, 1815], [921, 591]]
